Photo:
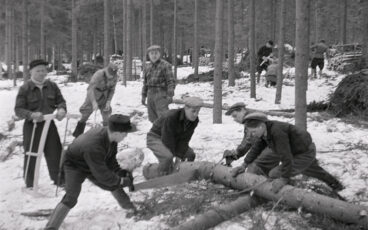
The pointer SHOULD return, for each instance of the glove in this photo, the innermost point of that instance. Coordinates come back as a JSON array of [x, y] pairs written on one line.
[[95, 106], [144, 100], [107, 106], [60, 114], [278, 184], [37, 116], [169, 99], [238, 170], [127, 182], [230, 156]]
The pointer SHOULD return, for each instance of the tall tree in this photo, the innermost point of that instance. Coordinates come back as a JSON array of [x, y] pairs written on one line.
[[217, 84], [115, 35], [151, 22], [125, 44], [195, 52], [174, 39], [74, 40], [107, 44], [343, 20], [281, 48], [252, 48], [144, 33], [364, 23], [230, 42], [25, 39], [129, 39], [301, 62], [8, 37], [42, 30]]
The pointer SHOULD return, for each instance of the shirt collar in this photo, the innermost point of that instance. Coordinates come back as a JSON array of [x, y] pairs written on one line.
[[33, 85]]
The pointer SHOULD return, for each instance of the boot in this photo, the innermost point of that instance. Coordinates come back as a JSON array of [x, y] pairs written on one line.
[[57, 217], [123, 199], [336, 186], [79, 129]]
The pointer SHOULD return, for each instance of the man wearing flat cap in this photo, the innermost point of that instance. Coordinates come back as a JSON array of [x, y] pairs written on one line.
[[100, 92], [38, 97], [158, 84], [92, 156], [170, 135], [290, 145]]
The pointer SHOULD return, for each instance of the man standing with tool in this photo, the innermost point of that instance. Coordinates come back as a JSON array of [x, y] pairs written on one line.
[[264, 55], [100, 91], [38, 97], [93, 156], [158, 84], [170, 135]]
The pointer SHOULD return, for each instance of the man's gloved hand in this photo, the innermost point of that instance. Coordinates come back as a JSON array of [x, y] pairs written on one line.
[[61, 113], [144, 100], [107, 106], [278, 184], [126, 182], [230, 156], [37, 116], [94, 105], [238, 170], [169, 99]]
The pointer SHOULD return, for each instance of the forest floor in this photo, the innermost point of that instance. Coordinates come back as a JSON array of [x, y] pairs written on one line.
[[341, 147]]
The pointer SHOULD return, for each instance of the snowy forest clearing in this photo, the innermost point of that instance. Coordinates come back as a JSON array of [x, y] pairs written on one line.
[[342, 150]]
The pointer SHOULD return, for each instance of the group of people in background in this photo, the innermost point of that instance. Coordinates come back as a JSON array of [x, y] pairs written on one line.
[[92, 155]]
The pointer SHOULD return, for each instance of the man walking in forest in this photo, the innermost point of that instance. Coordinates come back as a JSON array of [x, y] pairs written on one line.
[[158, 84], [93, 156], [264, 55], [169, 137], [38, 97], [290, 145], [100, 91], [318, 58]]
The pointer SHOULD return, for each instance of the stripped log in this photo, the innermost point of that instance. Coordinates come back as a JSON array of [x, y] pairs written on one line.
[[218, 215], [291, 196]]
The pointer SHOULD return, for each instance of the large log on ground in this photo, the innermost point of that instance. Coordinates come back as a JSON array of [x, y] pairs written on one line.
[[289, 195], [217, 215]]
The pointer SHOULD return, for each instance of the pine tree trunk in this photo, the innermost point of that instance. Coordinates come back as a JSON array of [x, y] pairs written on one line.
[[116, 48], [125, 34], [25, 39], [129, 39], [217, 83], [107, 45], [144, 34], [151, 22], [74, 40], [273, 19], [281, 51], [252, 48], [343, 18], [13, 45], [174, 40], [7, 37], [230, 43], [364, 23], [195, 51], [301, 62], [42, 30]]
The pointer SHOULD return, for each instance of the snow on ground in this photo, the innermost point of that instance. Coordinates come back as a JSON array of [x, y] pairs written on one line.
[[342, 151]]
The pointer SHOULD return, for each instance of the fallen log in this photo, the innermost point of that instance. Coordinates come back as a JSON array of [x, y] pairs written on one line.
[[218, 215], [226, 107], [291, 196]]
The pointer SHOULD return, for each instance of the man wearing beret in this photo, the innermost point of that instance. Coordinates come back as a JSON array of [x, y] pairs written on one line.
[[38, 97], [100, 91], [93, 156], [170, 135], [290, 145], [158, 84]]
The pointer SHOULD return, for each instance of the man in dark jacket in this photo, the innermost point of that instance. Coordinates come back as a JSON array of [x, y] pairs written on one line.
[[318, 57], [158, 84], [93, 156], [291, 146], [170, 135], [264, 55], [38, 97]]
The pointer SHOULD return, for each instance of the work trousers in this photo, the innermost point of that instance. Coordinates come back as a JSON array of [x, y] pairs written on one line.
[[157, 103]]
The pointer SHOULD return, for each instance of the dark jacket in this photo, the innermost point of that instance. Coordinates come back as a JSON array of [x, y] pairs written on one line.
[[93, 153], [244, 146], [264, 51], [31, 99], [284, 139], [175, 131]]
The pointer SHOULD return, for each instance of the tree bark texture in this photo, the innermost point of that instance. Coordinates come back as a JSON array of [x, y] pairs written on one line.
[[129, 39], [144, 34], [281, 52], [195, 50], [252, 48], [107, 42], [174, 46], [151, 22], [230, 42], [25, 39], [42, 30]]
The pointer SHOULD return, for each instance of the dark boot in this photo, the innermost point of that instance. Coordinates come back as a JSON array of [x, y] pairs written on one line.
[[79, 129], [57, 217], [123, 199], [336, 186]]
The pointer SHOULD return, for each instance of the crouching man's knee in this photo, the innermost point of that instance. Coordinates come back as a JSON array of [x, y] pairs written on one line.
[[255, 169]]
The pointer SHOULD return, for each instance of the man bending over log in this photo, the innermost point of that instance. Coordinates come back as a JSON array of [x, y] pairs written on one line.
[[169, 137], [290, 145]]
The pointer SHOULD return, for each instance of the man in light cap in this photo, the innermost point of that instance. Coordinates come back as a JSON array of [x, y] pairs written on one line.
[[38, 97], [170, 135], [290, 145], [93, 156], [100, 91], [158, 84]]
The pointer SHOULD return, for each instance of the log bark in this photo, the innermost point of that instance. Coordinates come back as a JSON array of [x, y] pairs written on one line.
[[291, 196], [219, 214]]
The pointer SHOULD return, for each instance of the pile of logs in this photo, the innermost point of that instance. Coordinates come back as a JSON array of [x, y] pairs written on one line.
[[345, 58]]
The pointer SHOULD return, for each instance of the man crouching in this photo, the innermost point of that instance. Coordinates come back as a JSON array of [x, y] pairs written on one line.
[[93, 155]]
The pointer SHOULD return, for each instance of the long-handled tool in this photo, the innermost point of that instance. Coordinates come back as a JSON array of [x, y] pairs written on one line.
[[62, 156], [30, 149]]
